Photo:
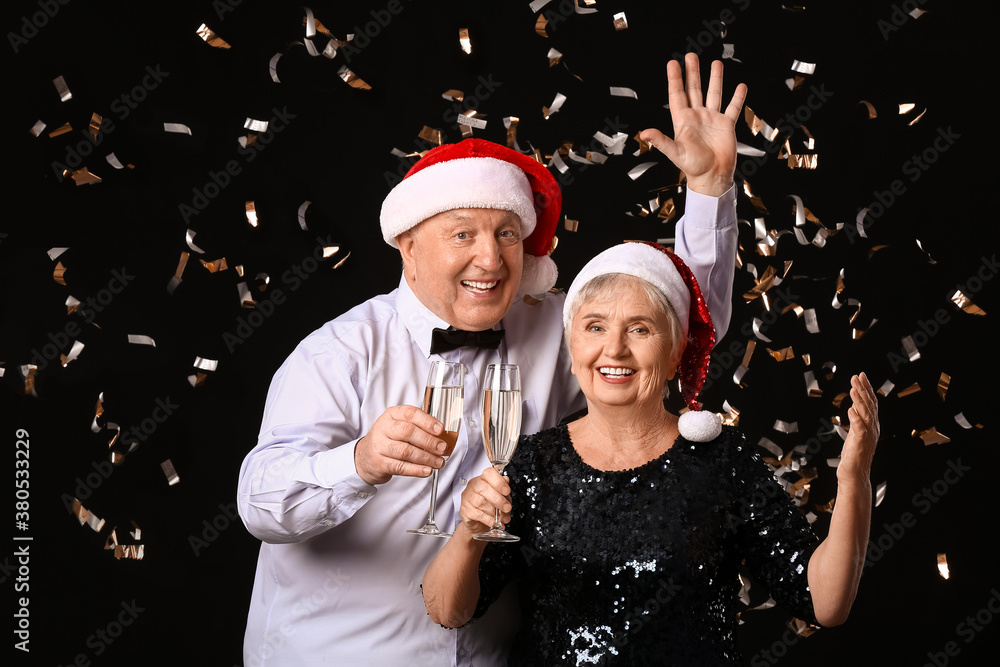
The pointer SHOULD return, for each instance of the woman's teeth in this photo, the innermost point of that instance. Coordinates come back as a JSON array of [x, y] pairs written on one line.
[[616, 372]]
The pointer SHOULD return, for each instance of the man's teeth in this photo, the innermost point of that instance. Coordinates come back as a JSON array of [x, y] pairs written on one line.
[[482, 287], [618, 372]]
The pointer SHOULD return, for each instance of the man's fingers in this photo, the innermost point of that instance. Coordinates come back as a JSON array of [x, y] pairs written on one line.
[[675, 87], [713, 100], [660, 142], [736, 104], [408, 453], [416, 416], [694, 95]]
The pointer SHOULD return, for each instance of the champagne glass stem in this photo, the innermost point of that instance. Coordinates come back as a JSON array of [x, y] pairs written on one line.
[[434, 494]]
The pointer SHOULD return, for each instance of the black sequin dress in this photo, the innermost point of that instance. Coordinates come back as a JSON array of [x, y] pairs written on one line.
[[639, 566]]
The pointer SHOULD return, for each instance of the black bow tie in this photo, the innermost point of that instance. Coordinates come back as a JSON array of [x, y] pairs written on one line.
[[443, 340]]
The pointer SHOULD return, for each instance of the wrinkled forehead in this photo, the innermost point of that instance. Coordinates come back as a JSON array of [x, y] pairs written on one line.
[[613, 292]]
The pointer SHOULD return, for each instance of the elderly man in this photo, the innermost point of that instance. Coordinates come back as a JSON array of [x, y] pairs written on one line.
[[340, 469]]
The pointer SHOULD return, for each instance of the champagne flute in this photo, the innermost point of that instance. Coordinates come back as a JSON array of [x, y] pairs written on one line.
[[501, 429], [443, 399]]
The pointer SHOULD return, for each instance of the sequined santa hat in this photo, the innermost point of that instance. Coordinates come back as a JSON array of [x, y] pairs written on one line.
[[476, 173], [671, 276]]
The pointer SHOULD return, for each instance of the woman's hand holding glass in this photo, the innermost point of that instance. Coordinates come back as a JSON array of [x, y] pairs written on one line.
[[481, 499]]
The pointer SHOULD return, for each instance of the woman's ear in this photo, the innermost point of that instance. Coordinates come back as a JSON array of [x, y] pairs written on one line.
[[675, 361]]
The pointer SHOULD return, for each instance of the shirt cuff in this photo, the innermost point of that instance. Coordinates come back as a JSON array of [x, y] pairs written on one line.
[[339, 473], [708, 212]]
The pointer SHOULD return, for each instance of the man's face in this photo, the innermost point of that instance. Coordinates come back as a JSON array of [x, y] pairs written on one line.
[[465, 265]]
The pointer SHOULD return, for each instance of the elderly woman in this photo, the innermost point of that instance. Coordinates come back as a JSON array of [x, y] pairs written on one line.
[[634, 522]]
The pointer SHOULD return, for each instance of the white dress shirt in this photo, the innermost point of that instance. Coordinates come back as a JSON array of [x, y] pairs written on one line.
[[338, 577]]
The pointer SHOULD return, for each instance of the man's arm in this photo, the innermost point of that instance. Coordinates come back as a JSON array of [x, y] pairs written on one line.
[[704, 148], [313, 467]]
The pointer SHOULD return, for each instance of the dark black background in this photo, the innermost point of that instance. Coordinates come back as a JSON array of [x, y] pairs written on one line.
[[193, 583]]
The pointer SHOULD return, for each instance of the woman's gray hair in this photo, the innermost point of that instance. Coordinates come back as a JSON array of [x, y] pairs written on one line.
[[609, 282]]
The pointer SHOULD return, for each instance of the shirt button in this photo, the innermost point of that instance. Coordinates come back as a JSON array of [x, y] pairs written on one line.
[[472, 423], [326, 522], [461, 653], [463, 481], [362, 494]]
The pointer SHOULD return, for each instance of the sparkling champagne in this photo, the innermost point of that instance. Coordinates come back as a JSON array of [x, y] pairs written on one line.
[[445, 405], [502, 425]]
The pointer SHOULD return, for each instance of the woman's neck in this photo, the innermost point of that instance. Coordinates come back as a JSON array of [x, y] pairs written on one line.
[[625, 439]]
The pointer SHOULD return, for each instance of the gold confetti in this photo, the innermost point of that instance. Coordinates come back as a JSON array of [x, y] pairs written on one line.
[[942, 563], [803, 161], [170, 472], [251, 212], [906, 108], [912, 389], [931, 436], [73, 353], [620, 21], [765, 283], [510, 122], [785, 427], [218, 265], [965, 303], [885, 388], [540, 26], [745, 364], [352, 79], [95, 125], [464, 40], [556, 105], [758, 126], [64, 93], [801, 628], [668, 211], [82, 176], [812, 385], [84, 516], [942, 385], [453, 95], [37, 129], [783, 354], [964, 423], [175, 280], [341, 262], [871, 109], [58, 274], [210, 38], [62, 129]]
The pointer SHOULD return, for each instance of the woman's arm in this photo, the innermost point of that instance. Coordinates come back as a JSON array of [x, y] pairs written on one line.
[[836, 566], [451, 582]]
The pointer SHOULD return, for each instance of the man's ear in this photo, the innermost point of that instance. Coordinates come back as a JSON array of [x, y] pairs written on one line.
[[405, 241]]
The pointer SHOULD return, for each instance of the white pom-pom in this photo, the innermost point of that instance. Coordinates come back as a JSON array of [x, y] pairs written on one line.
[[539, 274], [699, 425]]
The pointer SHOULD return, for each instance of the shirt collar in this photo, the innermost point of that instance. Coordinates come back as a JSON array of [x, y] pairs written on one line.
[[418, 318]]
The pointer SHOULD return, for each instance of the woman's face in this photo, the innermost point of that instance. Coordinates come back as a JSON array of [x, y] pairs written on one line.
[[621, 348]]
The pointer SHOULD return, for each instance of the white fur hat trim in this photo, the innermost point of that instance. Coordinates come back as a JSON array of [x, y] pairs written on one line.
[[473, 182]]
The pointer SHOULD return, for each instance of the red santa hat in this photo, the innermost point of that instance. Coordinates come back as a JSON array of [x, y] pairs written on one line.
[[671, 276], [476, 173]]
